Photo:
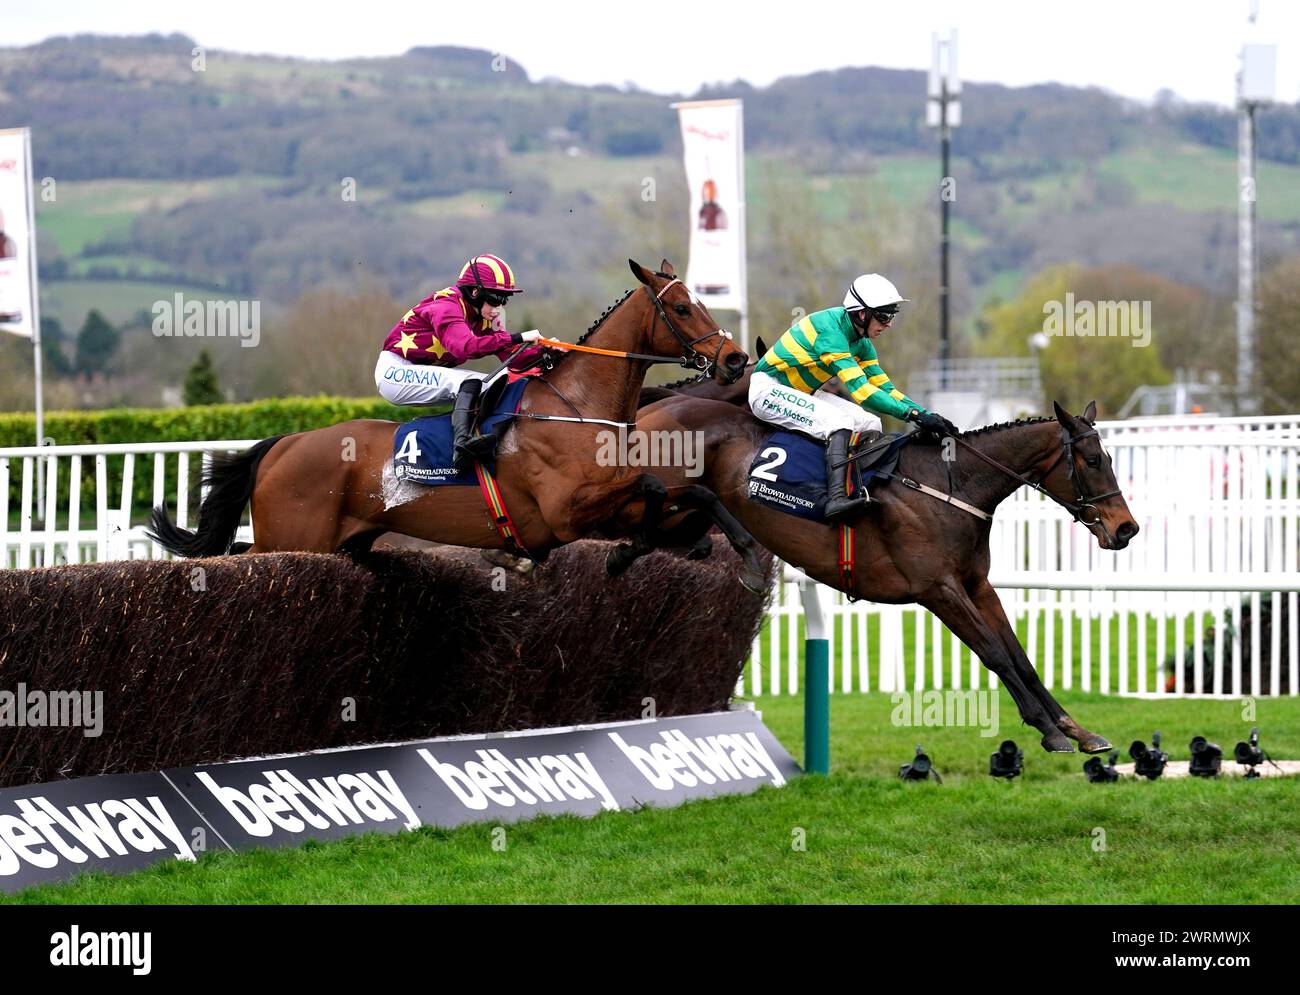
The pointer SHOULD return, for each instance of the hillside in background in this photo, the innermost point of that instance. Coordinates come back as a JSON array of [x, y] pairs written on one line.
[[230, 180]]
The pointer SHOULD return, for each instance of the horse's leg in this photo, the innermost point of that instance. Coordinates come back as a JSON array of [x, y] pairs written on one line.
[[508, 561], [950, 602], [653, 493], [359, 544], [989, 604], [752, 575], [707, 510], [689, 538], [600, 505]]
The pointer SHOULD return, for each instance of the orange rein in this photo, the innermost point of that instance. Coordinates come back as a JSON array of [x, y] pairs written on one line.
[[574, 347]]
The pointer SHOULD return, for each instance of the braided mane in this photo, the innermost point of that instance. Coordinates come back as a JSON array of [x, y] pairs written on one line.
[[603, 316], [1007, 424], [683, 382]]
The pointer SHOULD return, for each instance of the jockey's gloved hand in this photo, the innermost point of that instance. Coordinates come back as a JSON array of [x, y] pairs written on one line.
[[937, 424], [531, 335]]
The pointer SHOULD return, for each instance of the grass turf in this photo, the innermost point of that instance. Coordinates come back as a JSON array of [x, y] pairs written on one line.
[[1048, 837]]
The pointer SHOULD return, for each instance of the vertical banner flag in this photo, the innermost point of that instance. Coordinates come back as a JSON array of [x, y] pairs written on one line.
[[16, 242], [713, 142]]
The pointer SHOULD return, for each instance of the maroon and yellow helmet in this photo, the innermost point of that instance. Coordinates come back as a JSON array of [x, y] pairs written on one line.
[[488, 272]]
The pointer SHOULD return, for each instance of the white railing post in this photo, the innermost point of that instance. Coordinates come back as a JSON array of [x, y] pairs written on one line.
[[25, 515], [74, 509], [4, 512], [51, 509]]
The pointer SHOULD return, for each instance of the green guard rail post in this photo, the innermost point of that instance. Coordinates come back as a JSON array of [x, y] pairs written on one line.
[[816, 682]]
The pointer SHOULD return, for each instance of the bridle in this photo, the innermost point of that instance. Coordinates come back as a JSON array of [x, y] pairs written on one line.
[[700, 361], [1083, 508]]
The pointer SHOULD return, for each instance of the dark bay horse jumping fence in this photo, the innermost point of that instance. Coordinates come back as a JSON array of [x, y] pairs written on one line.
[[1202, 602]]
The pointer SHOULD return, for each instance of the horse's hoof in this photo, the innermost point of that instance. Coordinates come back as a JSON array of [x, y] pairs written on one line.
[[701, 550], [617, 560], [753, 582], [508, 561], [1057, 743], [1092, 743]]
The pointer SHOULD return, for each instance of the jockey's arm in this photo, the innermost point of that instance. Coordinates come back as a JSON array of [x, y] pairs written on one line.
[[872, 391], [519, 359], [880, 379], [462, 344]]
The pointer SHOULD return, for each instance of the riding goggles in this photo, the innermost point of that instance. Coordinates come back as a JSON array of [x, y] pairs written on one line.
[[496, 298]]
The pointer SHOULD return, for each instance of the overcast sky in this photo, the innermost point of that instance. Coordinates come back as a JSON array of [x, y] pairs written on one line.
[[1130, 47]]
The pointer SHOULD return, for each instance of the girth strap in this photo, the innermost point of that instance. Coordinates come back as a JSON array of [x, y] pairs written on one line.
[[498, 512], [845, 560]]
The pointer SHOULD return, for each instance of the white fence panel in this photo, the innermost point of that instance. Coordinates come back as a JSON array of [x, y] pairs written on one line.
[[102, 517]]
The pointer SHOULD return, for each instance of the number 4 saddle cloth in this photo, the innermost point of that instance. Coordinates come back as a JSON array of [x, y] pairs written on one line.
[[422, 448]]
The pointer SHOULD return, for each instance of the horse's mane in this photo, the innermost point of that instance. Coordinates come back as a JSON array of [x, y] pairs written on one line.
[[603, 316], [606, 313], [1000, 426], [686, 381]]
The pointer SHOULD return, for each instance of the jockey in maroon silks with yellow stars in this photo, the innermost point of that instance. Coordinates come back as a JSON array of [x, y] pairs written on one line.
[[420, 359]]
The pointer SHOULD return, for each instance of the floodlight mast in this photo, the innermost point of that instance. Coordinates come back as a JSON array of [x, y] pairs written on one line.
[[943, 111], [1256, 83]]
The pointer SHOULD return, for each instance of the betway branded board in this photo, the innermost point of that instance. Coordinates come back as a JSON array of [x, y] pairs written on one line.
[[122, 822]]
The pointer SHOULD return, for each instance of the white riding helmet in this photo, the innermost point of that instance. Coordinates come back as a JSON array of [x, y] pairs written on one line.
[[870, 291]]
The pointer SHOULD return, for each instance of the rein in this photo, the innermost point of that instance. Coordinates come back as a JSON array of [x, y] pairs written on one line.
[[705, 364], [696, 359], [1083, 508]]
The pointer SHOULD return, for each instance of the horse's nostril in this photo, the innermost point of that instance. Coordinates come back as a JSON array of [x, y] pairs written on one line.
[[737, 361], [1127, 531]]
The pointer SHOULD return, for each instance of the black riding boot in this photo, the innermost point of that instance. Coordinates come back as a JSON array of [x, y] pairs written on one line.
[[838, 503], [468, 449]]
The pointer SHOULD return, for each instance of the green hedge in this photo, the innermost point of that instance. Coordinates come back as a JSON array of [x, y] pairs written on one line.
[[255, 420]]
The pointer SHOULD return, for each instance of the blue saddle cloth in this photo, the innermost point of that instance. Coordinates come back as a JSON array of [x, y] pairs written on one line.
[[422, 449], [788, 473]]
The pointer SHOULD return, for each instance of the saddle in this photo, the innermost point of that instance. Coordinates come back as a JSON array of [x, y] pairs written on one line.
[[875, 454], [422, 448], [788, 472], [490, 398]]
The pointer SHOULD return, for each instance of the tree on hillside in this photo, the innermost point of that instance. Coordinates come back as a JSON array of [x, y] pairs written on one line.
[[53, 338], [96, 343], [1189, 324], [201, 383], [803, 254], [1277, 360], [1075, 368], [341, 328]]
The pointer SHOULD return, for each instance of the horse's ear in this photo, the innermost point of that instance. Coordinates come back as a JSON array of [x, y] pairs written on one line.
[[760, 345], [640, 272], [1064, 417], [666, 268], [1090, 413]]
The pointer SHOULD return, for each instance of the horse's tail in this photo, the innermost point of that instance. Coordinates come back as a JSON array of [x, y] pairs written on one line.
[[229, 479]]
